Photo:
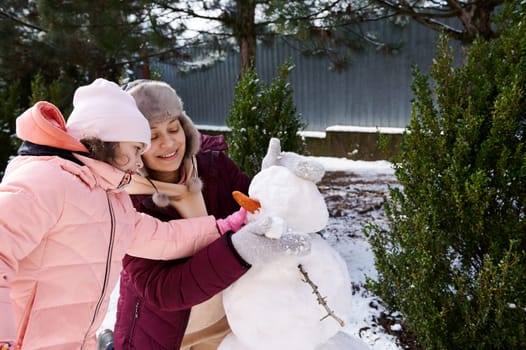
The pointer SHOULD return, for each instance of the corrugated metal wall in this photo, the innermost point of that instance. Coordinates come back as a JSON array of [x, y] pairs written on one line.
[[374, 92]]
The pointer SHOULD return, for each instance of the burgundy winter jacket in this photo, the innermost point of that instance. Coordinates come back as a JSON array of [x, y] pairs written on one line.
[[156, 296]]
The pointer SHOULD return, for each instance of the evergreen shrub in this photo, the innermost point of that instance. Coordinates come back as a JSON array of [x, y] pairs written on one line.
[[452, 258], [10, 108], [260, 112], [59, 92]]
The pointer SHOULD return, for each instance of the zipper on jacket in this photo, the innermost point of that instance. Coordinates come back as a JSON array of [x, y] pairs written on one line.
[[108, 268], [135, 318]]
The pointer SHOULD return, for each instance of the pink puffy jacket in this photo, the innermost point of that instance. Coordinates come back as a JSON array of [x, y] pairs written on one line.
[[64, 229]]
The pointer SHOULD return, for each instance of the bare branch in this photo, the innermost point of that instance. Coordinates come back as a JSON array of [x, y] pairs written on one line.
[[321, 300], [19, 21]]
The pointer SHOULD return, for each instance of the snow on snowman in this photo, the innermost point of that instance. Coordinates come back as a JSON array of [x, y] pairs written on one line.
[[295, 302]]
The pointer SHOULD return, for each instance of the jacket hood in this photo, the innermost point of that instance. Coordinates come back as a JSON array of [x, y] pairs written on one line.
[[44, 124]]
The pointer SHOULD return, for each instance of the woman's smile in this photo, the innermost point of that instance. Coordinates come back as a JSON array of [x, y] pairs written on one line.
[[168, 156], [167, 150]]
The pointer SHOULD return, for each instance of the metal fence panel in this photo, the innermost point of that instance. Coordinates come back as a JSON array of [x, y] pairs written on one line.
[[374, 92]]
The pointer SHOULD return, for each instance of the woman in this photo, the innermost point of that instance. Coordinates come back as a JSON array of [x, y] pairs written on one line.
[[66, 223], [179, 180]]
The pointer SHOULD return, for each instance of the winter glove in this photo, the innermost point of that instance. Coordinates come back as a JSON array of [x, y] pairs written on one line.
[[233, 222], [255, 248]]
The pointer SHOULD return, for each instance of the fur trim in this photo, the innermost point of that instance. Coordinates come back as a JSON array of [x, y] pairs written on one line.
[[161, 199], [158, 101], [194, 184]]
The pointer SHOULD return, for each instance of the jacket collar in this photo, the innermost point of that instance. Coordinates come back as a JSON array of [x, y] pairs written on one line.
[[32, 149], [103, 174]]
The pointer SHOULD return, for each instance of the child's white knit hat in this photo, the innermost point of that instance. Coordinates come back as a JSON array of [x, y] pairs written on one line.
[[103, 110]]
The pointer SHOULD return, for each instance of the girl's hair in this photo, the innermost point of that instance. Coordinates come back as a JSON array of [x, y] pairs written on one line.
[[101, 150]]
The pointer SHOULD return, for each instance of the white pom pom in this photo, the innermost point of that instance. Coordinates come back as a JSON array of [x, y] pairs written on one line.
[[161, 199], [194, 184]]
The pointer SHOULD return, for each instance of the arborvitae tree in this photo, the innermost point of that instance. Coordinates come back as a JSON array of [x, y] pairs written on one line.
[[260, 112], [452, 259]]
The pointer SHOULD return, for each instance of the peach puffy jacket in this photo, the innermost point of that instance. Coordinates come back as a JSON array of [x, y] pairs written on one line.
[[64, 229]]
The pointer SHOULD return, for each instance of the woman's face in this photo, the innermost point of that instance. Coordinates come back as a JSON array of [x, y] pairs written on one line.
[[128, 156], [168, 146]]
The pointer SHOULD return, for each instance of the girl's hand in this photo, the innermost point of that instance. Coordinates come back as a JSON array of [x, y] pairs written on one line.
[[233, 222]]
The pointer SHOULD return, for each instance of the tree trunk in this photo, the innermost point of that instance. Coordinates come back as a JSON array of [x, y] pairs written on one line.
[[245, 33], [476, 20]]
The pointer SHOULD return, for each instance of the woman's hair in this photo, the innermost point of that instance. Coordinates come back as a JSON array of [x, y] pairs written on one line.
[[101, 150]]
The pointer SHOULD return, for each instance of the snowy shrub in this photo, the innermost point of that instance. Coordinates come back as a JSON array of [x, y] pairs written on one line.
[[260, 112], [453, 258]]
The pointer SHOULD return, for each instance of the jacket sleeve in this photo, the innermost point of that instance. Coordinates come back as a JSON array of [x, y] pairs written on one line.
[[30, 206], [221, 177], [182, 284], [155, 239]]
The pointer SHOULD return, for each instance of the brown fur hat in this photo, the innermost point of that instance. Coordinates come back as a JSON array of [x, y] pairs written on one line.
[[157, 101]]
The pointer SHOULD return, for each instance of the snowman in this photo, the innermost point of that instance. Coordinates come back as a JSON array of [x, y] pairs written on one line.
[[294, 302]]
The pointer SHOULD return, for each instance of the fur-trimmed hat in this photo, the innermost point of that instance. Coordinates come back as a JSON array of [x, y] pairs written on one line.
[[158, 101], [102, 110]]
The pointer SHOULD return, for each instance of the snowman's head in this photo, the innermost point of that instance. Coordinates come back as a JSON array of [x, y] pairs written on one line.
[[286, 188]]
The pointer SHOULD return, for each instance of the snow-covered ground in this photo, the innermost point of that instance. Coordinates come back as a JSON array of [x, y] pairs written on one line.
[[355, 192]]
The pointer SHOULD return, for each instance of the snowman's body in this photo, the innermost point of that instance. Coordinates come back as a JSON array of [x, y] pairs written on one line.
[[272, 306]]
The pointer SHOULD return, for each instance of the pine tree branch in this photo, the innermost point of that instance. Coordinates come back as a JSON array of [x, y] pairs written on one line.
[[321, 299], [19, 21]]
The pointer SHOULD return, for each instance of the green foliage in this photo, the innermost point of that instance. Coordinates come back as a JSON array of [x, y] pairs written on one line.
[[57, 92], [48, 48], [69, 41], [332, 29], [453, 257], [9, 110], [260, 112]]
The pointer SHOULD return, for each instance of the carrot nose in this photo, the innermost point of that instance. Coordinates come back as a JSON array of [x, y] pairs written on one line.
[[246, 202]]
